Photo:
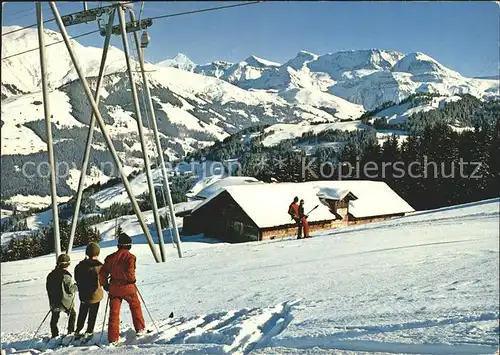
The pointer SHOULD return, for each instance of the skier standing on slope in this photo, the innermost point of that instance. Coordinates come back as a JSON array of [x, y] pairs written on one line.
[[303, 219], [293, 211], [120, 266], [61, 291], [89, 289]]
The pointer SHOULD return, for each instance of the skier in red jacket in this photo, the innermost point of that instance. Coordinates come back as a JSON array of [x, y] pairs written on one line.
[[293, 211], [121, 267]]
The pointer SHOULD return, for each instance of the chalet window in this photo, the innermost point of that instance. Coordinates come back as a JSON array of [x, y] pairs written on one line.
[[237, 227]]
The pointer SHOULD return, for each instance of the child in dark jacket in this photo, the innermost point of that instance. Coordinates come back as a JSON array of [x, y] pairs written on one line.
[[61, 291], [89, 289]]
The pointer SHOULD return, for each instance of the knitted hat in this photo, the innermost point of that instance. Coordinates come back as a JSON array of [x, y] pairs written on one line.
[[93, 249], [124, 240], [63, 260]]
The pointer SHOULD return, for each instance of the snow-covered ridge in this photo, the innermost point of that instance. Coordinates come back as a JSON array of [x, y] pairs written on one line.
[[367, 77]]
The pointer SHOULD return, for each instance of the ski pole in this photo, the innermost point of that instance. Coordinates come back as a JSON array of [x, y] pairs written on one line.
[[104, 321], [312, 209], [43, 321], [145, 306]]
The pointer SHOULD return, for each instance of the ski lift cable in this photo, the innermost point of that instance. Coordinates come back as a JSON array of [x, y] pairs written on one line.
[[96, 31]]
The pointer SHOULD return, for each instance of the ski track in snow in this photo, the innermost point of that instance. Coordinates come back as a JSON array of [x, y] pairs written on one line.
[[235, 332], [242, 332], [342, 340]]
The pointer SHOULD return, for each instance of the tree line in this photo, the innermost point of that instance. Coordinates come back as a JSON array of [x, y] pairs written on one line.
[[41, 242]]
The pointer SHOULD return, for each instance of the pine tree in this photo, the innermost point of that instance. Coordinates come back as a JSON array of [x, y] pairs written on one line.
[[118, 231]]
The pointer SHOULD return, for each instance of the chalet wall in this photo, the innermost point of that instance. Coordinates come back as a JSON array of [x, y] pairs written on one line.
[[291, 230], [339, 208], [354, 220], [221, 219], [192, 224]]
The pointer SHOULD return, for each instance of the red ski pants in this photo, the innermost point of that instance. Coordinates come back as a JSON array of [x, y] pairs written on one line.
[[305, 224], [115, 303]]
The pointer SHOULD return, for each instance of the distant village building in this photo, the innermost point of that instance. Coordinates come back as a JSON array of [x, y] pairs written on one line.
[[258, 211]]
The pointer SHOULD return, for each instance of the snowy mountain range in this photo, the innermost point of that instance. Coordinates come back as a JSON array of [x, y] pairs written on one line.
[[195, 104], [365, 77]]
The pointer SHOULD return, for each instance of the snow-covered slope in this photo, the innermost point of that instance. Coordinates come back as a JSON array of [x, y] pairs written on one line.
[[421, 284], [24, 71], [347, 64], [400, 113], [279, 132], [331, 104], [216, 69]]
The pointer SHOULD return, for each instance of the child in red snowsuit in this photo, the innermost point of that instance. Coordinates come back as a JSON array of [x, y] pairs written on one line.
[[121, 267], [303, 219]]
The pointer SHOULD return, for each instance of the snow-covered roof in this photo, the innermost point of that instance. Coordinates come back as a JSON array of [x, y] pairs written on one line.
[[203, 183], [267, 204], [217, 186], [335, 193]]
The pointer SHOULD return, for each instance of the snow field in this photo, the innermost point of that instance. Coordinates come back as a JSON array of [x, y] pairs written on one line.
[[425, 283]]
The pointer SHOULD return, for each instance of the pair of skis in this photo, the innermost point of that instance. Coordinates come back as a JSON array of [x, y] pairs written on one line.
[[67, 340]]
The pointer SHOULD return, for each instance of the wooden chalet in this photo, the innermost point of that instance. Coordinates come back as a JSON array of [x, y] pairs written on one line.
[[255, 212]]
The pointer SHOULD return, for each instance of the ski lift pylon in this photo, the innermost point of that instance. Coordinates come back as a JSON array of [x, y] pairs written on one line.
[[145, 38]]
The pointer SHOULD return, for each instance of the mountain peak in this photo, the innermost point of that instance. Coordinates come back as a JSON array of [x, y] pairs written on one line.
[[180, 61], [419, 63], [255, 61], [306, 53], [182, 57], [302, 58], [352, 63]]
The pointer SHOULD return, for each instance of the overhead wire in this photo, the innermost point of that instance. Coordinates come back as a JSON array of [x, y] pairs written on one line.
[[205, 10], [52, 19], [28, 12], [50, 44], [153, 18]]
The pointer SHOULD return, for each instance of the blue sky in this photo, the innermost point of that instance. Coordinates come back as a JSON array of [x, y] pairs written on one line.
[[461, 35]]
